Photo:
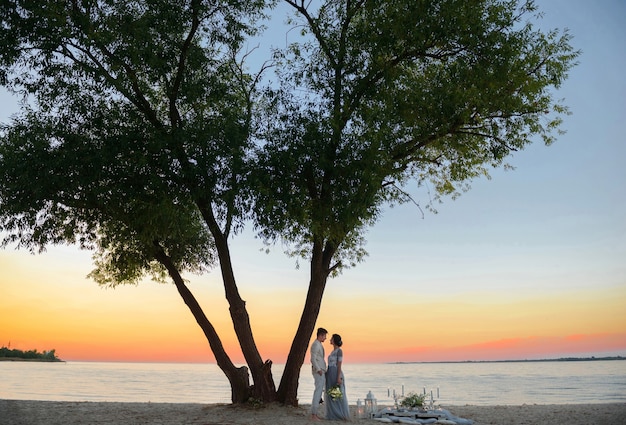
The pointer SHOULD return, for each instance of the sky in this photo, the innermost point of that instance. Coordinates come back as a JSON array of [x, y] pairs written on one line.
[[529, 264]]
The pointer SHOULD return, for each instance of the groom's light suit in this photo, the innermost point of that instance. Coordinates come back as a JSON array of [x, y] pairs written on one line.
[[318, 363]]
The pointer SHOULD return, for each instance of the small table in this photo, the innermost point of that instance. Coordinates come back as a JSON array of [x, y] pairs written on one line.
[[415, 414]]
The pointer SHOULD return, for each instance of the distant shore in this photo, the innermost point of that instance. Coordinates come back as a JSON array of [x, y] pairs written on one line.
[[561, 359], [15, 355], [19, 412], [20, 359]]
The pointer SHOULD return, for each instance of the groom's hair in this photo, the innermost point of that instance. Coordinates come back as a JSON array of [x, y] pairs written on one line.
[[321, 331]]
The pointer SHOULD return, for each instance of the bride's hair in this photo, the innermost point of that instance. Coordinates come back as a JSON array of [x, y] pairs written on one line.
[[336, 338]]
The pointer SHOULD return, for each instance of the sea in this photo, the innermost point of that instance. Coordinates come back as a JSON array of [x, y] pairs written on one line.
[[474, 383]]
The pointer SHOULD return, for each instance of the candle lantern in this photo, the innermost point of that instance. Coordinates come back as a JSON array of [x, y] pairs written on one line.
[[360, 411], [371, 406]]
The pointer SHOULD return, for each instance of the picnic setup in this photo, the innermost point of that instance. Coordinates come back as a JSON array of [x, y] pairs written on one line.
[[413, 408]]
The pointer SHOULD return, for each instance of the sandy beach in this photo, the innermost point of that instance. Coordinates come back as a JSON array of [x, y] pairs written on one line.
[[25, 412]]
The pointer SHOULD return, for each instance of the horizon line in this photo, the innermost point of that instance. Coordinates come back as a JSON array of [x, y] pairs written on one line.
[[559, 359]]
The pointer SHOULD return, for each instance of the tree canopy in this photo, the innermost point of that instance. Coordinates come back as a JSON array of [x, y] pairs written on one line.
[[145, 138], [390, 92]]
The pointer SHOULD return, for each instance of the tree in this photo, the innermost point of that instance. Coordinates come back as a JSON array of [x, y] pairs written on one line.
[[151, 96], [379, 94], [177, 149]]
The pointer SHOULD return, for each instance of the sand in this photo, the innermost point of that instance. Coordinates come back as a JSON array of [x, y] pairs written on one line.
[[24, 412]]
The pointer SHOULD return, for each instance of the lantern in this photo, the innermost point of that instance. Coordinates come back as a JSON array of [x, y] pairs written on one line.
[[370, 405], [360, 411]]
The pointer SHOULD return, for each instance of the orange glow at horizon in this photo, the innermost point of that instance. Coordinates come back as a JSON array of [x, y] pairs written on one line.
[[57, 308], [198, 351]]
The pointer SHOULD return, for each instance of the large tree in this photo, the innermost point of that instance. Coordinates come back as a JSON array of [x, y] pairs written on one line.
[[134, 144], [144, 139], [381, 93]]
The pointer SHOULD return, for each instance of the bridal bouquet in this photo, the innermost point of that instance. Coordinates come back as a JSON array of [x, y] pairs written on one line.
[[335, 392]]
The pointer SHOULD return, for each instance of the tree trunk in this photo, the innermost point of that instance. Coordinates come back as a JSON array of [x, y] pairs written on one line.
[[264, 387], [288, 389], [237, 376]]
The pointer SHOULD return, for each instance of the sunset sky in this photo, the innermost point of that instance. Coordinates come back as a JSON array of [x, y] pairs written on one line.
[[530, 264]]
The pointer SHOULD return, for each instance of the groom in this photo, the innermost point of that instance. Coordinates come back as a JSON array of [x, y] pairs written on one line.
[[318, 364]]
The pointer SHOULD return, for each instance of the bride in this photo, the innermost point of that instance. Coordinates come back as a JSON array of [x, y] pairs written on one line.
[[337, 407]]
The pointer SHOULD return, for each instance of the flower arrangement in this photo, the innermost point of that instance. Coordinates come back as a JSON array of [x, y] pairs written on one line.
[[413, 400], [335, 392]]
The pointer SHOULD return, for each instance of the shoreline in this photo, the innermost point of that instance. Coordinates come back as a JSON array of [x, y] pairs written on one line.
[[20, 359], [22, 412]]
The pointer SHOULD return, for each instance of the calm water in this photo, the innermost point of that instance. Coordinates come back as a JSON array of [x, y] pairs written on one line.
[[458, 383]]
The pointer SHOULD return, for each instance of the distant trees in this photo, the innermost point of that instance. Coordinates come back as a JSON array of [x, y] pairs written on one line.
[[146, 140], [48, 356]]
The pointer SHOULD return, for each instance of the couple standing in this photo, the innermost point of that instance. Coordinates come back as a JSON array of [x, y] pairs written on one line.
[[327, 378]]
